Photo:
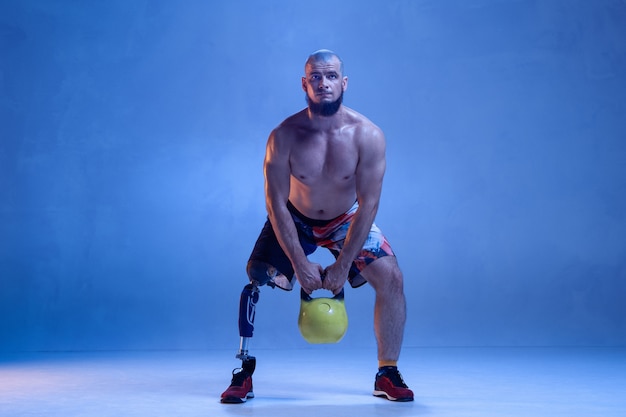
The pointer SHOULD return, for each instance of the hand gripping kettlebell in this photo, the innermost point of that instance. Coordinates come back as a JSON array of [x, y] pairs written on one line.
[[323, 319]]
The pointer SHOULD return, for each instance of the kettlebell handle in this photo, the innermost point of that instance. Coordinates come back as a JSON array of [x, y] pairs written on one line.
[[306, 297]]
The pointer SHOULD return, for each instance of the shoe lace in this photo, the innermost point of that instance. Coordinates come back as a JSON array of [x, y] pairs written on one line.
[[239, 375], [395, 377]]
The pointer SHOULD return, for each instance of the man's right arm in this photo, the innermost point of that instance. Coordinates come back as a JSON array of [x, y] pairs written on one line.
[[277, 182]]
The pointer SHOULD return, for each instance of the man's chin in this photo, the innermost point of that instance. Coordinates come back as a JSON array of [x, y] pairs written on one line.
[[325, 108]]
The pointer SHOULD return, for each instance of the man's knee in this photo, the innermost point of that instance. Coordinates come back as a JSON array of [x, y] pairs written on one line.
[[394, 278], [260, 273], [398, 278], [385, 275]]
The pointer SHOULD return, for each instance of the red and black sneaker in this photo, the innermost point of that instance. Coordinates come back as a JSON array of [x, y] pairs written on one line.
[[240, 388], [389, 384]]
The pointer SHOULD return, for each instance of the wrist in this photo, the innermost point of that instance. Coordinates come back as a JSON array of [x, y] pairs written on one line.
[[343, 264], [299, 262]]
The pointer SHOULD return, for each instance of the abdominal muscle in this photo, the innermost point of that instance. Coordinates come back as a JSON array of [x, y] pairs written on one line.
[[323, 200]]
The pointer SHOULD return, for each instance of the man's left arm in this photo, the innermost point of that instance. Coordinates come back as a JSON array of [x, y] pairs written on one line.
[[369, 179]]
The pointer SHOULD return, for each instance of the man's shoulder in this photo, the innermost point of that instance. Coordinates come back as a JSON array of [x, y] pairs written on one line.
[[362, 123], [293, 125], [295, 121]]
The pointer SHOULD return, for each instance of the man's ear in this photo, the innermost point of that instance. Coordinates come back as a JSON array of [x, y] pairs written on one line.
[[304, 84], [344, 83]]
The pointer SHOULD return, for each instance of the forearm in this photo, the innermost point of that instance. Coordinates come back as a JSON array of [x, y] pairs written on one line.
[[286, 233], [357, 234], [307, 273]]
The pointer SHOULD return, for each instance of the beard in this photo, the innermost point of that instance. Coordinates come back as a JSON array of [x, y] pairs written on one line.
[[325, 109]]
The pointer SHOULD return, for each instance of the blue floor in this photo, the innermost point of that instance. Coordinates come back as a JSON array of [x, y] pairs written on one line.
[[322, 380]]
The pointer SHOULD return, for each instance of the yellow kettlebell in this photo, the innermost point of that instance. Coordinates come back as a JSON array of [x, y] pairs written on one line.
[[323, 319]]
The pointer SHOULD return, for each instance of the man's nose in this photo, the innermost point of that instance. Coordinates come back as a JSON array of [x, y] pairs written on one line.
[[323, 83]]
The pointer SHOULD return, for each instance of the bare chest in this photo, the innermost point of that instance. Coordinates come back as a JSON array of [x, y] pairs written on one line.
[[329, 158]]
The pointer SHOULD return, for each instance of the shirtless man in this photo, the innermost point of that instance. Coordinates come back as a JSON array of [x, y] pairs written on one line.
[[324, 169]]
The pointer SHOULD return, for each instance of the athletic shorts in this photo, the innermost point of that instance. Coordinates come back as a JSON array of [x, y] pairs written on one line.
[[312, 234]]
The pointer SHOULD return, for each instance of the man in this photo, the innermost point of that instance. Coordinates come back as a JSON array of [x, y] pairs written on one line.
[[324, 169]]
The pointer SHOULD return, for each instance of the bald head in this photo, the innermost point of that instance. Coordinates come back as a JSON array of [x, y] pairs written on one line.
[[323, 55]]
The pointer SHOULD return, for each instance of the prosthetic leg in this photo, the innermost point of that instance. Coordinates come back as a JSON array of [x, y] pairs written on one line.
[[240, 389], [260, 274], [247, 311]]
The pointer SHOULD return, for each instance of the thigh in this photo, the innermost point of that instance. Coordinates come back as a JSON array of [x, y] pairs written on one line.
[[383, 274], [267, 250]]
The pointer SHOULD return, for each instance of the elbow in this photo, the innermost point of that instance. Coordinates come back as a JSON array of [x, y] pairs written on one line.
[[274, 207]]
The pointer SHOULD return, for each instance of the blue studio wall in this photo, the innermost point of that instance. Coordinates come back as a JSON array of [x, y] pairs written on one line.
[[131, 142]]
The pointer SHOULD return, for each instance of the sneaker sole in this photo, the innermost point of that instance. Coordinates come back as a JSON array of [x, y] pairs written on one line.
[[237, 400], [390, 398]]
